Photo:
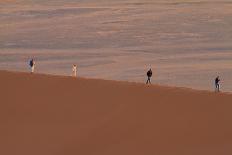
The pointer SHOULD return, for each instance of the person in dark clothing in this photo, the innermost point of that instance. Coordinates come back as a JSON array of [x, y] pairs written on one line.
[[217, 85], [149, 75], [32, 65]]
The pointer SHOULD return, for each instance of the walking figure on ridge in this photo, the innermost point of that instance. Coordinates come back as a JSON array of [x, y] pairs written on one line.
[[32, 65], [149, 75], [74, 70], [217, 84]]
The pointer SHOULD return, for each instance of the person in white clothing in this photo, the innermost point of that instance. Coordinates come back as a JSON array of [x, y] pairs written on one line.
[[74, 70]]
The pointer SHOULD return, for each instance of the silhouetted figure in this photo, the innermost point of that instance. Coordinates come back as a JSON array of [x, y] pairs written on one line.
[[149, 75], [217, 85], [32, 65]]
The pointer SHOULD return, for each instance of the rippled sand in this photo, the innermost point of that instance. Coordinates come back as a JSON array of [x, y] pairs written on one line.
[[187, 43]]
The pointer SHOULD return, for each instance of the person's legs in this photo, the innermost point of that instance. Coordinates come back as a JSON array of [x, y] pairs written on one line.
[[32, 69], [217, 87], [148, 80]]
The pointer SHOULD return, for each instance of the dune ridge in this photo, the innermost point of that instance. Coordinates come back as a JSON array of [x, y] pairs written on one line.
[[43, 114]]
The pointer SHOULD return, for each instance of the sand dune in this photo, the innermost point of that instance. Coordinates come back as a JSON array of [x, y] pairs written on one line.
[[52, 115]]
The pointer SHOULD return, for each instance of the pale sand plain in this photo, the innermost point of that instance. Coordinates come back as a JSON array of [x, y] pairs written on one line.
[[186, 42]]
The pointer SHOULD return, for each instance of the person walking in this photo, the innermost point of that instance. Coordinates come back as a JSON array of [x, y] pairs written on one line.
[[74, 70], [217, 84], [32, 65], [149, 75]]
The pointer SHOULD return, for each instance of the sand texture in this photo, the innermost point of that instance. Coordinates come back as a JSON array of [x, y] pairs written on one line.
[[55, 115]]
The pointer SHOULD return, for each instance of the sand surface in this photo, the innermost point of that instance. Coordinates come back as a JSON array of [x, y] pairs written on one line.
[[49, 115], [186, 42]]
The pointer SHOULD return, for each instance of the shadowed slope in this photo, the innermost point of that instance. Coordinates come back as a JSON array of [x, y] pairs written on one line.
[[49, 115]]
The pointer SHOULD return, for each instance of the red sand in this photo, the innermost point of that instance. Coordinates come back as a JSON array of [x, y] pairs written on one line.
[[49, 115]]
